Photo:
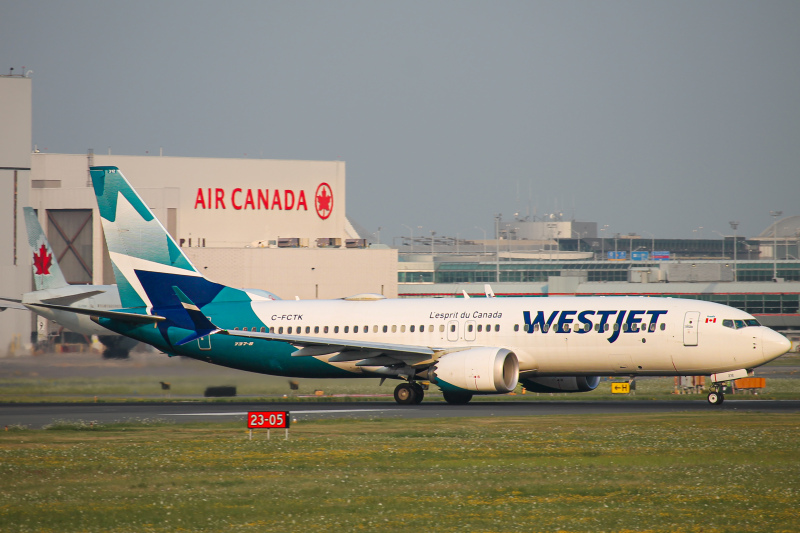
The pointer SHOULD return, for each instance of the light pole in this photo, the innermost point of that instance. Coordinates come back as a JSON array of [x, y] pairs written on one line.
[[734, 224], [775, 215], [484, 239], [603, 242], [497, 236], [411, 232]]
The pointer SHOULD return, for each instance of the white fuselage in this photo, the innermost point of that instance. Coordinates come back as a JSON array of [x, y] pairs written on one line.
[[656, 336]]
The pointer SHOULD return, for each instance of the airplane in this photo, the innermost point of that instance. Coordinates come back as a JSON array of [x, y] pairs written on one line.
[[52, 288], [465, 347]]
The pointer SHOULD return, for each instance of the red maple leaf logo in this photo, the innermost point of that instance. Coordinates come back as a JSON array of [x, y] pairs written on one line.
[[42, 261], [324, 200]]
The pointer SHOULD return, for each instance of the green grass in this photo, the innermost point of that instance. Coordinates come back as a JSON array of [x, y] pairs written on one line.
[[720, 472]]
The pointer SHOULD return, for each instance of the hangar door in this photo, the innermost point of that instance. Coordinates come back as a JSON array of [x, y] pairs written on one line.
[[70, 234]]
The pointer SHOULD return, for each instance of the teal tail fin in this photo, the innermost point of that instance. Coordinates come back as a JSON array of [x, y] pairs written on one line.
[[46, 272], [147, 262]]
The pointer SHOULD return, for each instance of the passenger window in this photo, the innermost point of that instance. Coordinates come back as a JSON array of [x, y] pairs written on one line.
[[430, 328], [374, 329], [411, 329], [605, 327], [441, 328], [728, 323], [663, 327], [308, 329], [567, 327], [316, 329], [385, 329], [402, 329], [394, 328], [336, 329], [616, 327], [452, 327], [597, 328], [480, 328], [652, 327], [516, 327], [289, 330], [325, 329], [347, 329], [488, 327], [355, 329], [545, 328], [497, 327], [470, 328], [366, 329], [263, 329], [536, 327], [280, 330]]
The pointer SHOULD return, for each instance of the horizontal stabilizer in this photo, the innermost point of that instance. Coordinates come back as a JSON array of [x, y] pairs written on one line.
[[72, 298], [202, 325], [122, 316]]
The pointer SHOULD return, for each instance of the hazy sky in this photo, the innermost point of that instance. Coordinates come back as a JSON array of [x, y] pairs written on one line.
[[656, 117]]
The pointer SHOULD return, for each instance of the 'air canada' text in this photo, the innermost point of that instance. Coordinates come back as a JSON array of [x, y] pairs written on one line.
[[283, 200]]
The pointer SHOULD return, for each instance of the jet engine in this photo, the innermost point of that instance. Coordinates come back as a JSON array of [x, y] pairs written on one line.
[[486, 370], [561, 383]]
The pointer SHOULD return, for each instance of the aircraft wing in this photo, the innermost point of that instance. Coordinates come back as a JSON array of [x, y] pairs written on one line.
[[116, 315], [368, 353], [10, 303]]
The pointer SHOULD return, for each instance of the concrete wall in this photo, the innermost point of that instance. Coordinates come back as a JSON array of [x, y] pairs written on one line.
[[308, 273], [15, 259], [218, 199]]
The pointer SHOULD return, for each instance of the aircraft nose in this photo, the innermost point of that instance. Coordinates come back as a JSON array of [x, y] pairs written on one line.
[[774, 344]]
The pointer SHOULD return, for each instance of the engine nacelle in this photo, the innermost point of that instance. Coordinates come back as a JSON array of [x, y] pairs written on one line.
[[487, 370], [561, 383]]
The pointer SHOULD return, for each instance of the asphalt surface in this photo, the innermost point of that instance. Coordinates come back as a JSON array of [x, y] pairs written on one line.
[[38, 415]]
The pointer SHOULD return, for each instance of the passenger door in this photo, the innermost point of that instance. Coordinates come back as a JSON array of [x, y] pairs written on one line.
[[691, 325]]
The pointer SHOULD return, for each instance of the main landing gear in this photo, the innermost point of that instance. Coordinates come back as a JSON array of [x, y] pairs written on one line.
[[410, 393]]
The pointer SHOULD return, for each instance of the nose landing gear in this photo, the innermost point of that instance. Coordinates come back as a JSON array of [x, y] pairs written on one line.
[[717, 394]]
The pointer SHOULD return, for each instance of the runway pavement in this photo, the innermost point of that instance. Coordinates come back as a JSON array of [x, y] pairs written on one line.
[[38, 415]]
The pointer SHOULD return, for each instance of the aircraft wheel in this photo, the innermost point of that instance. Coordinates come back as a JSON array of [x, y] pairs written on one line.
[[457, 398], [715, 398], [419, 393], [404, 394]]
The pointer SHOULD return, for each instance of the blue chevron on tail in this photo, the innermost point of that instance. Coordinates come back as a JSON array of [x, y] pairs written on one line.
[[147, 262]]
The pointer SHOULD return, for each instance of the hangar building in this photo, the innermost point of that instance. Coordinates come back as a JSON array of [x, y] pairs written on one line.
[[265, 224]]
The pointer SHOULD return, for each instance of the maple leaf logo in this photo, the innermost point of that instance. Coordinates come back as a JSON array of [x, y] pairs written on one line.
[[324, 200], [42, 261]]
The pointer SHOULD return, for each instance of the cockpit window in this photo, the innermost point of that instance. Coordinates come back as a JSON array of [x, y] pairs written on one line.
[[752, 322], [739, 323], [728, 323]]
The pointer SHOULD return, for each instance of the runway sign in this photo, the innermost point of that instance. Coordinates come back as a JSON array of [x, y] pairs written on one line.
[[268, 419]]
